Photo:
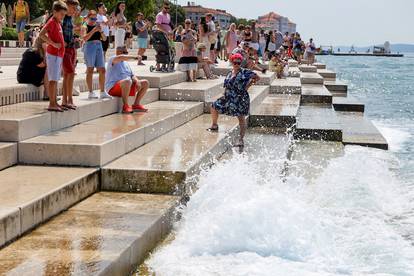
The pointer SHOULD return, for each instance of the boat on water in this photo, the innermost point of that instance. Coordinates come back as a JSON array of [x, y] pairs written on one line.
[[377, 51]]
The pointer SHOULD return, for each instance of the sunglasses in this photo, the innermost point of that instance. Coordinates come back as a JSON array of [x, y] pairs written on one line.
[[237, 62], [93, 18]]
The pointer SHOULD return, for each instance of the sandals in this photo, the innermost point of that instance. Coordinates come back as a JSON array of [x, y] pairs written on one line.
[[54, 109], [240, 144], [213, 129], [69, 106]]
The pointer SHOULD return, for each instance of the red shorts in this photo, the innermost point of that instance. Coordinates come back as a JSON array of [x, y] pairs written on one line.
[[69, 61], [116, 90]]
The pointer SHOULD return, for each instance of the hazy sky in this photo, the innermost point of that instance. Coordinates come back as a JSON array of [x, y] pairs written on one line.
[[334, 22]]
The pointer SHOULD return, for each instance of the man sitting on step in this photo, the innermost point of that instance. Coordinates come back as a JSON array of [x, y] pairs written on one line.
[[120, 81]]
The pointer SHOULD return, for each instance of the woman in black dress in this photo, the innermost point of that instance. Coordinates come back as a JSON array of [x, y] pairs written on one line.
[[236, 100]]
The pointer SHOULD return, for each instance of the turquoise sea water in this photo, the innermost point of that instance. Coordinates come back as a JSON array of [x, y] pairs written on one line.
[[353, 216], [386, 86]]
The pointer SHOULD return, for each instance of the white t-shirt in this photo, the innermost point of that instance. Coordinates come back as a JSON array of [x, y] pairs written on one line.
[[102, 18], [310, 47], [211, 26]]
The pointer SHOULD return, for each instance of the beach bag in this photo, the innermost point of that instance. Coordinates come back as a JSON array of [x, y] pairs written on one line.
[[212, 38]]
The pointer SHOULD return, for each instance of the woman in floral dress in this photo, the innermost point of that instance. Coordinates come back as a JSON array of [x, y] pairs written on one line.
[[236, 100]]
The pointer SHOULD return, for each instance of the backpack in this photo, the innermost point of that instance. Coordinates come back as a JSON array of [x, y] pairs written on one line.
[[134, 28]]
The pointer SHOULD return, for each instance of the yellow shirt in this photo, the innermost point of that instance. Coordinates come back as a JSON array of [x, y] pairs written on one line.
[[20, 10]]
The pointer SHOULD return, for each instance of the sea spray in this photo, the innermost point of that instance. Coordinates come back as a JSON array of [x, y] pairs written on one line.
[[248, 218]]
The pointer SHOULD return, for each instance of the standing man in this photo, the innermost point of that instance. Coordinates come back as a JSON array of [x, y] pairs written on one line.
[[142, 33], [103, 21], [212, 35], [163, 19], [22, 15], [69, 58]]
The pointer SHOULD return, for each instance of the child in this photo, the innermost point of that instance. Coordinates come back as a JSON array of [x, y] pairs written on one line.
[[53, 35], [204, 62], [171, 42], [276, 64]]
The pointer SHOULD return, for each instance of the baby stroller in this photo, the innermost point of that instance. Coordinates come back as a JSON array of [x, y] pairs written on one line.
[[165, 56]]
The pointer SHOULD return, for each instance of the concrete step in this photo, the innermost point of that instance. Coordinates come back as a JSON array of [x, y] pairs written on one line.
[[223, 68], [106, 234], [319, 65], [257, 94], [307, 68], [286, 86], [318, 122], [311, 158], [347, 104], [336, 86], [311, 78], [25, 120], [292, 63], [327, 74], [12, 92], [164, 165], [294, 72], [358, 130], [8, 155], [30, 195], [201, 91], [276, 111], [29, 119], [315, 93], [98, 142]]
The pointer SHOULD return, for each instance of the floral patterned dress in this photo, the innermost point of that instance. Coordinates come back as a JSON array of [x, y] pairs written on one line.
[[236, 100]]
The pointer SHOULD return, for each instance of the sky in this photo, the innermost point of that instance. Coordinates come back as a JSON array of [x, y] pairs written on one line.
[[334, 22]]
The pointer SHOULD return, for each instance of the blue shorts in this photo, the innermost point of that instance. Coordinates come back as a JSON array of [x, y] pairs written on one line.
[[54, 67], [20, 25], [93, 54], [142, 43]]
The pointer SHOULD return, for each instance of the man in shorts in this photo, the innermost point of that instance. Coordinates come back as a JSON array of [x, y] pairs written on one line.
[[69, 59], [120, 81]]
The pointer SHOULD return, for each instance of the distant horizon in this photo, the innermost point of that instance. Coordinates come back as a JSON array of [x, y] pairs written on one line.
[[332, 22]]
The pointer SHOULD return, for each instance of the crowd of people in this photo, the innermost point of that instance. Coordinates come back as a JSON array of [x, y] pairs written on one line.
[[248, 49]]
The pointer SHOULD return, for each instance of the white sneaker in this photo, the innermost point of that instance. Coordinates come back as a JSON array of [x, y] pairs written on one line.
[[105, 95], [92, 95]]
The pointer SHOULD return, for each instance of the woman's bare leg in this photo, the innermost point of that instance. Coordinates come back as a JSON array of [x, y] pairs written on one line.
[[243, 127], [214, 117]]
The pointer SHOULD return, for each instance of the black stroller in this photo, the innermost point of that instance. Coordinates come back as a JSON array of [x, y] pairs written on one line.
[[165, 55]]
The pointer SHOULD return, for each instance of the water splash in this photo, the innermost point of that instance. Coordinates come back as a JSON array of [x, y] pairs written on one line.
[[248, 218]]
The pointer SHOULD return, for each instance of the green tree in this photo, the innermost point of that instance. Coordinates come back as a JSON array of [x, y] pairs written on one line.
[[180, 12], [241, 21]]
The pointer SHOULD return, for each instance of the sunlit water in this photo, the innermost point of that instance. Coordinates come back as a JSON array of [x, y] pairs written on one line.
[[259, 214]]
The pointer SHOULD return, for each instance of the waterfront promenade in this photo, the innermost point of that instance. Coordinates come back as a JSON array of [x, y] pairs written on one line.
[[92, 191]]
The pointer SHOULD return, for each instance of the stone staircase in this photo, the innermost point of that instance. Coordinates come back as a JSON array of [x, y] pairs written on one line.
[[12, 56], [92, 191]]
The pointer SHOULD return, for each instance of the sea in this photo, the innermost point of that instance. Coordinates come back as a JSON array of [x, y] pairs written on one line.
[[327, 211]]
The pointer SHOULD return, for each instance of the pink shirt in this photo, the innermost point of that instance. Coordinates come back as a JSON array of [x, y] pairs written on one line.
[[164, 20]]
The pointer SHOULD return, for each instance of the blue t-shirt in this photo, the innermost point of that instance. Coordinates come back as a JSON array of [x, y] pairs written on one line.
[[116, 72]]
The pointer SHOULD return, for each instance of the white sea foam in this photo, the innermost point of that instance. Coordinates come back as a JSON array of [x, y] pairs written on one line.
[[395, 135], [249, 219]]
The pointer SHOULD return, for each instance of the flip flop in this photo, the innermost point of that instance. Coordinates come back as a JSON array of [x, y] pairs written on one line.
[[54, 109], [213, 129], [69, 106]]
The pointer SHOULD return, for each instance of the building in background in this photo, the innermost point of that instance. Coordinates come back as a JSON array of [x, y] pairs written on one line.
[[195, 12], [274, 21]]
